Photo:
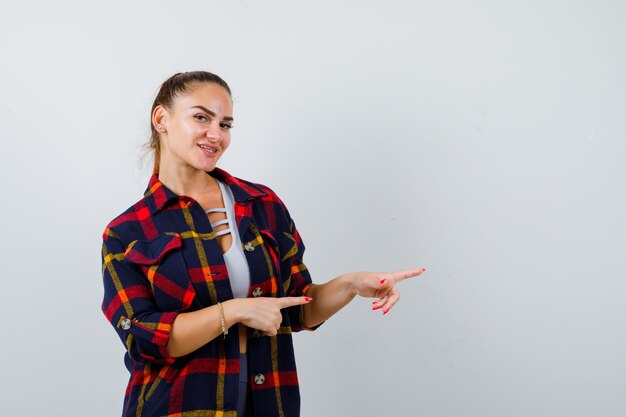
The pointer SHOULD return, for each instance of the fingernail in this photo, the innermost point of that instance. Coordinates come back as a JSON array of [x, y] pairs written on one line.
[[382, 281], [423, 269], [375, 307], [308, 299], [385, 311]]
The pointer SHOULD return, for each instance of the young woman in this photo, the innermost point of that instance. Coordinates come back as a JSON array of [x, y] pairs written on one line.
[[203, 277]]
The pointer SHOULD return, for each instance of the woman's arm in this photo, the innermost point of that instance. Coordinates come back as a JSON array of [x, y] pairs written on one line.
[[332, 296], [192, 330]]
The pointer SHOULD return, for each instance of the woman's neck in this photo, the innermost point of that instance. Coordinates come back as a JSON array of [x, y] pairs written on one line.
[[185, 180]]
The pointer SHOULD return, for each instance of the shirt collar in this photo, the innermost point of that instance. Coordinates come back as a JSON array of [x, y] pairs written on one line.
[[158, 194]]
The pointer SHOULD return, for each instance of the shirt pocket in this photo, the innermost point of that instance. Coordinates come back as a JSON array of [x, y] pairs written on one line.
[[282, 248], [164, 266]]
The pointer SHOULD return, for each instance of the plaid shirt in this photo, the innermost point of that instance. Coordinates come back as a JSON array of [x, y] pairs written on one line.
[[159, 258]]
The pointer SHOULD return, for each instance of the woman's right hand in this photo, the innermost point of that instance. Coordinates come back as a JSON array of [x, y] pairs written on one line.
[[261, 313]]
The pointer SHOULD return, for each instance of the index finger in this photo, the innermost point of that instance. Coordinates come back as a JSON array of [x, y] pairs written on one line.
[[398, 276], [285, 302]]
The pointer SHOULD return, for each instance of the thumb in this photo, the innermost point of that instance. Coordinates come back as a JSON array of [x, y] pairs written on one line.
[[285, 302]]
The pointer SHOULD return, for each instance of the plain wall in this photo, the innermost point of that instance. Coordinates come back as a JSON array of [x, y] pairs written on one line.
[[482, 140]]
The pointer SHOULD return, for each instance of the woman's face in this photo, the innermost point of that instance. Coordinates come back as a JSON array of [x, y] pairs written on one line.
[[197, 129]]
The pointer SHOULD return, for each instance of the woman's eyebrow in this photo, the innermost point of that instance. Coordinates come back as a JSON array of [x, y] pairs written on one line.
[[212, 114]]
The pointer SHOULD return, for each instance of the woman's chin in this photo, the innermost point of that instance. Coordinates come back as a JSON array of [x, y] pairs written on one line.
[[206, 166]]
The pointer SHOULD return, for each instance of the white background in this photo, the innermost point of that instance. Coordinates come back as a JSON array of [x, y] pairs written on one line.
[[483, 140]]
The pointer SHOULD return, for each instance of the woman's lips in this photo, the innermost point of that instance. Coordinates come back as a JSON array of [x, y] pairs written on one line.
[[207, 152]]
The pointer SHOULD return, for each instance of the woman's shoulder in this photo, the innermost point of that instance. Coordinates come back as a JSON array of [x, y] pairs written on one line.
[[249, 189], [129, 224], [270, 208], [270, 194]]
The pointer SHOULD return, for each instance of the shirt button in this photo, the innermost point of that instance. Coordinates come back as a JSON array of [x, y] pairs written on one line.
[[126, 324], [259, 379], [257, 292], [249, 246]]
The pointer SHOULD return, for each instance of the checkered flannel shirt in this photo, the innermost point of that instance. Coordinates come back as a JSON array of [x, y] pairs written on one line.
[[160, 258]]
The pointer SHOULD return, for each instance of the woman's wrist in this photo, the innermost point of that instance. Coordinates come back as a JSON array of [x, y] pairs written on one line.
[[232, 312], [349, 283]]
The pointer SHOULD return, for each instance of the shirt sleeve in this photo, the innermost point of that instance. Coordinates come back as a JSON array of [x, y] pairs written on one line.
[[299, 282], [129, 306]]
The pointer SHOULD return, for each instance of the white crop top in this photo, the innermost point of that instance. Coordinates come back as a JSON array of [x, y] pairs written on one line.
[[236, 263]]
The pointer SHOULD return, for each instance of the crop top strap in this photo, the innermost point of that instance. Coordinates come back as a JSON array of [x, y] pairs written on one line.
[[216, 210], [220, 222]]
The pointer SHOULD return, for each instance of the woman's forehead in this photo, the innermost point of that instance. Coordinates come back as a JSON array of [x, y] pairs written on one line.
[[210, 96]]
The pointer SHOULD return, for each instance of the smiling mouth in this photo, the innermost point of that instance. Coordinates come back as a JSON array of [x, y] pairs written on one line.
[[208, 148]]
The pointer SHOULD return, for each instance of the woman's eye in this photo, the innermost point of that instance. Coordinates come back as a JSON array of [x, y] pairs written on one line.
[[200, 117], [226, 126]]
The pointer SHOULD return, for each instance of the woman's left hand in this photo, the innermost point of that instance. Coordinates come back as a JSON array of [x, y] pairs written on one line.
[[382, 285]]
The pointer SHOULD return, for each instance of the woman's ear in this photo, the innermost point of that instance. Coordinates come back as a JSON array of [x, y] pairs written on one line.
[[159, 118]]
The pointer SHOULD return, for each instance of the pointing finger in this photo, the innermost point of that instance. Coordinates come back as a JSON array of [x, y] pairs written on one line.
[[398, 276], [285, 302]]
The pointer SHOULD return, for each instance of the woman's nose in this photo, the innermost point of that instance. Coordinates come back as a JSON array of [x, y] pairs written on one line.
[[214, 133]]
